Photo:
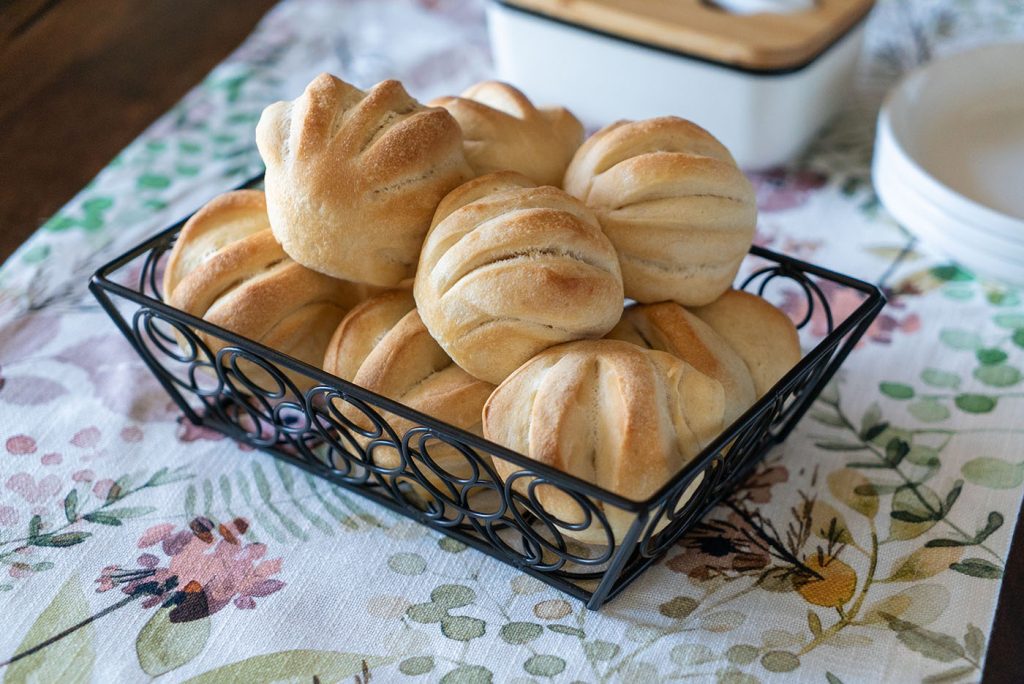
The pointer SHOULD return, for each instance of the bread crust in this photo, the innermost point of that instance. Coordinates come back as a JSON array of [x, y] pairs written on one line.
[[670, 328], [353, 177], [672, 200], [509, 269], [394, 355], [608, 412], [503, 131], [763, 336], [228, 269]]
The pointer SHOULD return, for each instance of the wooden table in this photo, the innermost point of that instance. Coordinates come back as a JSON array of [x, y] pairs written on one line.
[[79, 79]]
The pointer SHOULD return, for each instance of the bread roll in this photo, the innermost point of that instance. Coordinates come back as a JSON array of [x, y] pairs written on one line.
[[509, 269], [363, 329], [404, 363], [608, 412], [503, 131], [353, 177], [671, 199], [763, 336], [226, 218], [670, 328], [228, 269]]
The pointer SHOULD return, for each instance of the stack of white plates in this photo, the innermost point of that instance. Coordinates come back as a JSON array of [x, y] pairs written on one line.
[[949, 158]]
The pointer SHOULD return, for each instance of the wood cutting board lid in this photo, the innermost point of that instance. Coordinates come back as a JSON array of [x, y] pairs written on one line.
[[696, 28]]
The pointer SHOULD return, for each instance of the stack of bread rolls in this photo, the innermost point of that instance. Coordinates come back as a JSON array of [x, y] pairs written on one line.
[[509, 245]]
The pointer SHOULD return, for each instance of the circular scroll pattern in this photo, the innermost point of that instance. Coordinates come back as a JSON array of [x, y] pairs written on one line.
[[428, 472]]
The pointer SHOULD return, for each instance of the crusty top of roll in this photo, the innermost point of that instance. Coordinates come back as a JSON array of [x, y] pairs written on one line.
[[672, 200], [503, 130], [608, 412], [382, 345], [353, 177], [670, 328], [249, 286], [224, 219], [410, 367], [362, 330], [764, 337], [509, 269]]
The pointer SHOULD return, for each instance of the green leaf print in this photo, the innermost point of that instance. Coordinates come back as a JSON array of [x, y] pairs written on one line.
[[990, 356], [994, 473], [998, 376], [71, 506], [978, 567], [933, 645], [1018, 337], [70, 659], [938, 378], [975, 403], [896, 390], [961, 340], [304, 665], [163, 645]]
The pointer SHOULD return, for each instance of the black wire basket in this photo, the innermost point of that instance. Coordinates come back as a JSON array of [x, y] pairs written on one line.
[[249, 392]]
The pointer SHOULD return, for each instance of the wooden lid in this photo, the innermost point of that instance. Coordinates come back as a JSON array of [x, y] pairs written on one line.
[[761, 42]]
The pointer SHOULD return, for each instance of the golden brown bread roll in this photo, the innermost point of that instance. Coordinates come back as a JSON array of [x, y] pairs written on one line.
[[671, 199], [228, 269], [509, 269], [404, 363], [608, 412], [363, 329], [503, 131], [763, 336], [670, 328], [225, 219], [353, 177]]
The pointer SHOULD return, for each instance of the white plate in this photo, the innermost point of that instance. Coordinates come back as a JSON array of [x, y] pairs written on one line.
[[945, 233], [930, 217], [954, 131]]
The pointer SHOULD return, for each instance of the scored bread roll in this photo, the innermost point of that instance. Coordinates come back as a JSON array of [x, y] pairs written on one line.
[[670, 328], [611, 413], [353, 177], [503, 131], [672, 201], [509, 269], [362, 330], [226, 218], [227, 268], [764, 337], [403, 362]]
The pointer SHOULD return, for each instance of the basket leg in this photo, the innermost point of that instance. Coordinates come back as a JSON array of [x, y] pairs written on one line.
[[611, 575]]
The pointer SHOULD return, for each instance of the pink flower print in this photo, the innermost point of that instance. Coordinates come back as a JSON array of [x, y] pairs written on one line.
[[781, 189], [190, 432], [20, 445], [102, 487], [131, 434], [8, 516], [155, 534], [758, 487], [843, 302], [87, 438], [85, 475], [51, 459], [32, 491], [209, 567], [720, 547]]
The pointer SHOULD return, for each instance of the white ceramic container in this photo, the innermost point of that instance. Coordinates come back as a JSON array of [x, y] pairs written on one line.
[[764, 117]]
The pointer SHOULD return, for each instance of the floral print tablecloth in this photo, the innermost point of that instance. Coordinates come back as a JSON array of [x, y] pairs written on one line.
[[869, 547]]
